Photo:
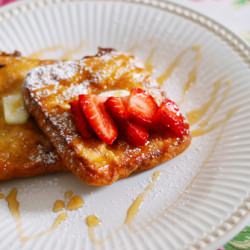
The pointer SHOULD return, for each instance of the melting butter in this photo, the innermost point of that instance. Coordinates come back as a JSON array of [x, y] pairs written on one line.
[[58, 206], [135, 206], [14, 109], [75, 203]]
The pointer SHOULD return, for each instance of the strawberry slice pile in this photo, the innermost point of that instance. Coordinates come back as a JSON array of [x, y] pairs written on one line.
[[134, 117]]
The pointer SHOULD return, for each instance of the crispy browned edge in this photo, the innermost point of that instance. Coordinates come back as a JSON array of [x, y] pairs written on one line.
[[14, 171], [15, 53], [82, 169]]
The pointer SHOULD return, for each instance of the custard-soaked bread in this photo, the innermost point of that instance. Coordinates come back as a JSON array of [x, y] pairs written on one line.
[[24, 150], [48, 90]]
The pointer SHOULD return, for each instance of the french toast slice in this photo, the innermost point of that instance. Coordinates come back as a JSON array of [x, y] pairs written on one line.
[[48, 90], [24, 150]]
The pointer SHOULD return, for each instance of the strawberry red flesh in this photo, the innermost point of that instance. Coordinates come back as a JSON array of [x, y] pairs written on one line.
[[79, 119], [98, 118], [117, 108], [141, 107], [136, 135], [170, 116]]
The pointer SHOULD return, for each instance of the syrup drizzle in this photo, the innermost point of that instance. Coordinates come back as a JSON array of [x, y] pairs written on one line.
[[75, 203], [212, 104], [195, 116], [14, 208], [57, 222], [137, 203], [92, 221], [68, 195], [174, 64], [149, 61], [59, 205], [192, 76], [198, 114], [217, 105], [13, 205], [202, 131], [204, 164]]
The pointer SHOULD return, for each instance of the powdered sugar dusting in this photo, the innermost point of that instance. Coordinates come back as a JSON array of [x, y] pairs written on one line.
[[51, 74], [54, 86], [114, 66], [66, 125], [47, 87], [75, 90], [42, 156], [108, 68]]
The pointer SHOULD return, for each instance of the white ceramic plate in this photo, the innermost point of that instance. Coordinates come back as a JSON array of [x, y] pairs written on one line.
[[201, 195]]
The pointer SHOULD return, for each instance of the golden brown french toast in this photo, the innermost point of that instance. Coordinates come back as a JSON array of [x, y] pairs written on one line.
[[24, 150], [48, 92]]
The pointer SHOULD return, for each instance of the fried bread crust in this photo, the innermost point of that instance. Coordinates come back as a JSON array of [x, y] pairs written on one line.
[[47, 93], [24, 149]]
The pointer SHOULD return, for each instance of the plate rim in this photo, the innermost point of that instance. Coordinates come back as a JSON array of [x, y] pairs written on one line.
[[225, 34]]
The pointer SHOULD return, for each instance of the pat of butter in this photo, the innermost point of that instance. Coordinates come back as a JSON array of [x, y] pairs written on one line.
[[116, 93], [14, 109]]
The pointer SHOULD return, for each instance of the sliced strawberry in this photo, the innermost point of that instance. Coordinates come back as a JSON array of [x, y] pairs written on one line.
[[136, 135], [170, 116], [117, 108], [141, 107], [156, 126], [98, 118], [79, 119]]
